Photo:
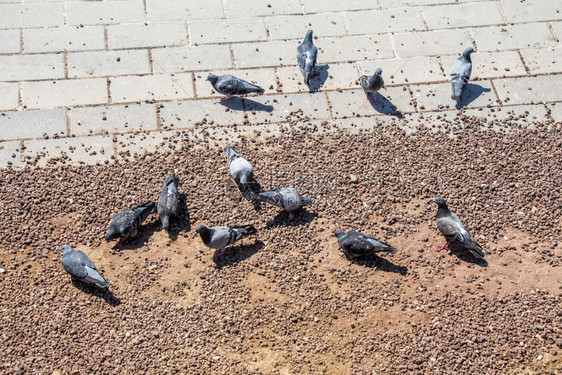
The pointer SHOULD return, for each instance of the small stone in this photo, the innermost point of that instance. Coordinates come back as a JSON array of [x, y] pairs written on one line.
[[353, 178], [539, 357]]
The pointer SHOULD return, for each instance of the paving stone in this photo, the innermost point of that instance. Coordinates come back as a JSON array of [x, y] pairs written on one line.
[[257, 55], [353, 103], [48, 94], [126, 89], [261, 77], [113, 119], [141, 35], [174, 10], [277, 108], [31, 15], [32, 124], [10, 41], [354, 48], [387, 20], [10, 154], [295, 27], [557, 27], [254, 8], [404, 3], [463, 15], [79, 150], [227, 31], [320, 6], [183, 59], [107, 63], [529, 90], [8, 96], [31, 67], [529, 11], [329, 77], [104, 12], [132, 145], [65, 38], [518, 114], [555, 111], [431, 43], [490, 64], [544, 60], [190, 114], [531, 35], [438, 96], [401, 71]]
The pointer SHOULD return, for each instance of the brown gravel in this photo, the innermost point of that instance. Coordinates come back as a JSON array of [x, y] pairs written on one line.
[[287, 301]]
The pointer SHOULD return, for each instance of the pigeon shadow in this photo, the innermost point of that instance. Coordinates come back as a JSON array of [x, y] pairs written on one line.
[[382, 105], [105, 294], [251, 105], [133, 243], [250, 192], [284, 219], [237, 254], [320, 77], [234, 103], [380, 263], [466, 255], [182, 223], [470, 94]]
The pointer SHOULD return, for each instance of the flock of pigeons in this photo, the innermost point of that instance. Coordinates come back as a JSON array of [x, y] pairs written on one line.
[[354, 244]]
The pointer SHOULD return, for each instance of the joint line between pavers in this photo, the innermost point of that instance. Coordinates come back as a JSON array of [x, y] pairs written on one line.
[[106, 38], [145, 13], [265, 21], [442, 66], [157, 108], [425, 24], [21, 41], [556, 38], [346, 24], [65, 64], [232, 56], [108, 82], [224, 11], [20, 96], [498, 4], [188, 39], [194, 86], [68, 130], [527, 70], [150, 62], [498, 101]]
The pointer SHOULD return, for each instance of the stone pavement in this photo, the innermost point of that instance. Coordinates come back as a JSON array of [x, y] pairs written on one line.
[[96, 80]]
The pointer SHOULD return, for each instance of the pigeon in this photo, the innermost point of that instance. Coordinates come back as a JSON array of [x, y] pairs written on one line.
[[453, 230], [240, 169], [462, 67], [220, 237], [287, 198], [127, 223], [232, 86], [372, 84], [357, 244], [169, 202], [80, 267], [306, 57]]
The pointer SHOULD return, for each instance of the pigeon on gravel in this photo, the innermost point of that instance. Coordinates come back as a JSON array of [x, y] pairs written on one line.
[[287, 198], [80, 267], [169, 201], [462, 67], [230, 86], [372, 84], [453, 230], [306, 57], [240, 169], [127, 223], [220, 237], [356, 244]]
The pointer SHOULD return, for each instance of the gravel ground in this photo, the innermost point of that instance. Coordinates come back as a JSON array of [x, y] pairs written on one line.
[[286, 301]]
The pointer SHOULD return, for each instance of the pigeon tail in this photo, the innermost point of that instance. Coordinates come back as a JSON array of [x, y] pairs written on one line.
[[390, 250], [458, 85], [247, 230], [165, 222], [244, 175], [111, 234]]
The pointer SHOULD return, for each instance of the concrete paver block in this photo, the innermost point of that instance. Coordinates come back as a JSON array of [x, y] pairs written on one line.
[[10, 41], [184, 59], [490, 64], [328, 77], [227, 30], [31, 15], [463, 15], [529, 90], [32, 124], [543, 60], [66, 38], [529, 11], [275, 53], [141, 35], [432, 43], [255, 8], [31, 67], [151, 87], [104, 12], [387, 20], [189, 114], [295, 26], [403, 71], [107, 63], [354, 48], [173, 10], [113, 119], [497, 38], [8, 96], [438, 96], [277, 108], [10, 154], [319, 6], [390, 100], [49, 94]]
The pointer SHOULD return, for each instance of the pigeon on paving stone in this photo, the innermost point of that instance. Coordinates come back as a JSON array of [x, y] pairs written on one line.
[[230, 86], [127, 223], [372, 84], [287, 198], [453, 230], [462, 67], [240, 169], [80, 267], [306, 57], [169, 201], [357, 244], [220, 237]]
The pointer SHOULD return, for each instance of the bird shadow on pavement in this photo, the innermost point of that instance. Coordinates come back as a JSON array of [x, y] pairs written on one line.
[[470, 94], [251, 105], [466, 256], [235, 103], [283, 219], [380, 263], [383, 105], [105, 294], [237, 254], [320, 77], [182, 223], [250, 192], [141, 239]]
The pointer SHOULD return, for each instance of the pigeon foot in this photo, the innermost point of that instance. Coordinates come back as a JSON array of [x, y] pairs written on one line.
[[444, 246], [350, 256]]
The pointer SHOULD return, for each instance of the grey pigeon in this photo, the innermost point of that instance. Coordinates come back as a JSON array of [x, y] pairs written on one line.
[[287, 198], [220, 237], [169, 201], [240, 169], [230, 86], [462, 68], [372, 84], [306, 57], [127, 223], [357, 244], [80, 267], [453, 230]]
